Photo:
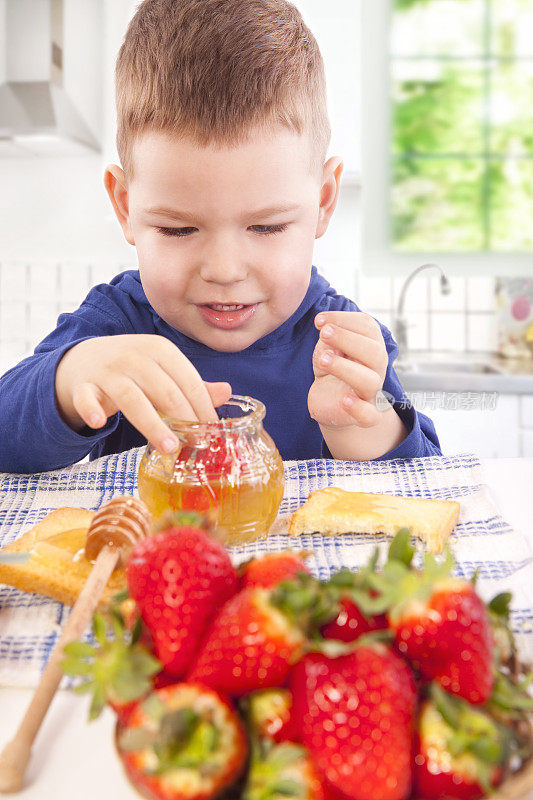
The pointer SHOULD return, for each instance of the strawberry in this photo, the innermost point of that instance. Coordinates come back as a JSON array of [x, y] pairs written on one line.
[[216, 454], [183, 742], [440, 624], [271, 569], [352, 623], [356, 715], [269, 713], [219, 458], [448, 638], [178, 578], [460, 750], [280, 771], [259, 634], [117, 671]]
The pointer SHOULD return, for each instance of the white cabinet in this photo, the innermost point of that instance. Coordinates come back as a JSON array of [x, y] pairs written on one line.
[[490, 432]]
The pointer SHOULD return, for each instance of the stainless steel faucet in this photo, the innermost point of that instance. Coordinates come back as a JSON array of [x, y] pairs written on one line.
[[400, 323]]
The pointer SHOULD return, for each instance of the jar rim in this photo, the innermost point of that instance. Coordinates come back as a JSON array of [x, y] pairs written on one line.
[[254, 412]]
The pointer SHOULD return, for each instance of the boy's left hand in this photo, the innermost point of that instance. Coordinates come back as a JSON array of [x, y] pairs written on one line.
[[344, 391]]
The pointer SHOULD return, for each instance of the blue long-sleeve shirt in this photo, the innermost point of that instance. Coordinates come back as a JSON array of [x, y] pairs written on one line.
[[277, 369]]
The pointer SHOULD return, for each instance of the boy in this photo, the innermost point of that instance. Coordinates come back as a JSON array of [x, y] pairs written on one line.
[[222, 136]]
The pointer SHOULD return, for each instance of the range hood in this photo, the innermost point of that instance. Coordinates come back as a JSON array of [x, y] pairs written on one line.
[[40, 110]]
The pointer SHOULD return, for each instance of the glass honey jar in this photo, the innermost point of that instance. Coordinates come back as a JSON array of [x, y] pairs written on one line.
[[231, 466]]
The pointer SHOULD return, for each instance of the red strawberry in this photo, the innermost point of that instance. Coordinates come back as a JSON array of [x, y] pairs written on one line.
[[271, 569], [351, 589], [459, 750], [184, 742], [352, 623], [282, 771], [178, 578], [201, 468], [219, 453], [258, 635], [270, 715], [440, 623], [448, 638], [117, 671], [356, 716]]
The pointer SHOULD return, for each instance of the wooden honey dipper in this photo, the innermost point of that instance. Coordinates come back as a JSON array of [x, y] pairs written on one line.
[[114, 531]]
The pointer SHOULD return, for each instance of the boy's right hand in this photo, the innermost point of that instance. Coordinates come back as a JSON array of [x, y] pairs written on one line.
[[135, 374]]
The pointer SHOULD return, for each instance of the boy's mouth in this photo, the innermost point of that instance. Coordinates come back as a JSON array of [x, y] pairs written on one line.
[[227, 316]]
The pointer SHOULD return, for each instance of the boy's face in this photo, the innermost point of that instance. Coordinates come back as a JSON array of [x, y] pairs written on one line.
[[224, 235]]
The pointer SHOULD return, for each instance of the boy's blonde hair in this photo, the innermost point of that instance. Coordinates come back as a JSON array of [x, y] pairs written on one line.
[[214, 69]]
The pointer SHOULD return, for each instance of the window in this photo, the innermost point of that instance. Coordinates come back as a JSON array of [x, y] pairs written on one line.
[[448, 133]]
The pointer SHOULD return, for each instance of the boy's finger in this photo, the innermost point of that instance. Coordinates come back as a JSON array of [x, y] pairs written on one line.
[[87, 405], [321, 348], [163, 393], [370, 352], [219, 392], [365, 414], [357, 321], [361, 379], [186, 376], [138, 409]]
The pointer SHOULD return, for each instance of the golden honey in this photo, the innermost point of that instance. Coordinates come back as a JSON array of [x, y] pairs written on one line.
[[231, 466]]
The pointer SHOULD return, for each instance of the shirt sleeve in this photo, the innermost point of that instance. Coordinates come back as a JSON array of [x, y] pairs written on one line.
[[421, 439], [33, 435]]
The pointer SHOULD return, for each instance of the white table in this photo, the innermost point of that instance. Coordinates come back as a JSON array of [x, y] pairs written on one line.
[[75, 760]]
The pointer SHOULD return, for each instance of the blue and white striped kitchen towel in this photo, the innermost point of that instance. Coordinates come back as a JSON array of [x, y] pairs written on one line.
[[30, 624]]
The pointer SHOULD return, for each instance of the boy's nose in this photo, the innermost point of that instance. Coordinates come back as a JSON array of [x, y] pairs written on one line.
[[223, 263]]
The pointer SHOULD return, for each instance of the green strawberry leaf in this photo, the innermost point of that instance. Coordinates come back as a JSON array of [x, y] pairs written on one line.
[[79, 649], [120, 597], [400, 548], [286, 787], [73, 666], [100, 629], [97, 703], [137, 630], [116, 670], [500, 604]]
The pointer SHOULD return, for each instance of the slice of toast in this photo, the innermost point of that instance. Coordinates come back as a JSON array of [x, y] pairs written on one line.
[[333, 511], [57, 566]]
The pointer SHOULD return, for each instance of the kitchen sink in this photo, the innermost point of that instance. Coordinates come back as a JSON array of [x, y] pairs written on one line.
[[450, 367], [450, 372]]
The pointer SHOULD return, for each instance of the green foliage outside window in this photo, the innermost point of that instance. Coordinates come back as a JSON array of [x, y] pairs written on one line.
[[462, 125]]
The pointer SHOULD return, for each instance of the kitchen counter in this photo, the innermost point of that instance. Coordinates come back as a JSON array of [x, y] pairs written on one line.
[[74, 759], [465, 372]]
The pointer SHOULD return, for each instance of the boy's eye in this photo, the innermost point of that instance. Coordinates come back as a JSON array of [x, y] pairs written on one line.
[[265, 229], [176, 231], [262, 229]]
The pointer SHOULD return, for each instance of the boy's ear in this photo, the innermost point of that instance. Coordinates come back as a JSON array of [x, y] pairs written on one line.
[[329, 193], [115, 183]]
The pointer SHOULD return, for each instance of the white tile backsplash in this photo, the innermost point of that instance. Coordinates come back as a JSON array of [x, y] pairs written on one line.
[[416, 297], [480, 294], [527, 444], [13, 281], [447, 331], [374, 293], [448, 323], [454, 301], [417, 330], [33, 294], [482, 333]]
